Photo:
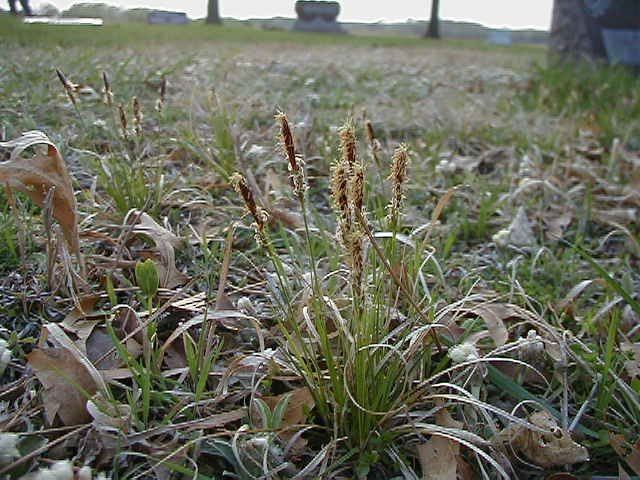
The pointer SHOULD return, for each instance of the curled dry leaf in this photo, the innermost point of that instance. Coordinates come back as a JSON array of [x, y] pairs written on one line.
[[566, 305], [494, 316], [109, 416], [67, 384], [551, 448], [557, 225], [519, 233], [165, 242], [298, 408], [38, 175], [440, 456]]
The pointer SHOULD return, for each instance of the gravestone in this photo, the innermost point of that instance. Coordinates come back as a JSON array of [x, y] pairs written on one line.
[[607, 30], [160, 17], [317, 16], [500, 37]]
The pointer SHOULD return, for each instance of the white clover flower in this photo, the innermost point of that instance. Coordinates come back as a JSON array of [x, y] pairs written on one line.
[[61, 470], [465, 352]]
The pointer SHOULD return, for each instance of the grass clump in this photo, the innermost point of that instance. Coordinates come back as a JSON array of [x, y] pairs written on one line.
[[363, 336]]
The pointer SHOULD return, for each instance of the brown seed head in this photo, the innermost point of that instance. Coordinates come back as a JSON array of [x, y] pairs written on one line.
[[67, 85], [124, 124], [356, 189], [398, 177], [108, 93], [162, 91], [288, 144], [259, 215], [137, 116], [348, 144], [296, 163], [340, 189], [371, 135]]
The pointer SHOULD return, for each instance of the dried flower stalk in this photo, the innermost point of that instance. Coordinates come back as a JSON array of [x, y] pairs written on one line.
[[163, 93], [124, 124], [398, 178], [347, 191], [296, 170], [137, 116], [108, 93], [259, 215], [69, 88], [348, 144]]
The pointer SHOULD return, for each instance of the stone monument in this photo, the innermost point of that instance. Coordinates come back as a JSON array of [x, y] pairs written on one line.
[[607, 30], [317, 16]]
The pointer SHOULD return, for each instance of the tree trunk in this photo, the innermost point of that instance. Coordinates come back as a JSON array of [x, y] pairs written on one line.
[[213, 12], [434, 23], [572, 35]]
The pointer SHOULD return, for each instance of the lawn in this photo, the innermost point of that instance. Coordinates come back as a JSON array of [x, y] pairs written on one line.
[[236, 253]]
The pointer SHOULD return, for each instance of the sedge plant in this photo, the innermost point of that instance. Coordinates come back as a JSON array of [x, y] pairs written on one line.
[[363, 345]]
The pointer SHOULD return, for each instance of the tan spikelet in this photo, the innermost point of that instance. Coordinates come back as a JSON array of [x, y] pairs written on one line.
[[259, 215], [69, 88], [398, 178], [348, 147], [295, 162], [137, 116], [108, 93], [124, 124]]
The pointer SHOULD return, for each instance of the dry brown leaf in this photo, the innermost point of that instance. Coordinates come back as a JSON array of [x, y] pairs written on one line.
[[547, 450], [566, 305], [66, 382], [439, 456], [165, 242], [494, 316], [519, 233], [38, 175], [299, 406], [615, 216], [629, 453], [99, 343], [557, 225], [109, 416]]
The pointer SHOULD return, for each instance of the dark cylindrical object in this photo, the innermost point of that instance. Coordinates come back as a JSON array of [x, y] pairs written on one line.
[[597, 29]]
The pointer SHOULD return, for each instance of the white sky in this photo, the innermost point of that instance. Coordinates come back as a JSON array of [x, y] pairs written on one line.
[[495, 13]]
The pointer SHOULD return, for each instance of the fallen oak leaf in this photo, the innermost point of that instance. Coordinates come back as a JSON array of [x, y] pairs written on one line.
[[67, 384], [301, 402], [439, 456], [39, 175], [165, 242], [551, 447]]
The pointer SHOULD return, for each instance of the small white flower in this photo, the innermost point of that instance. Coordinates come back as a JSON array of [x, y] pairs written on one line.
[[465, 352]]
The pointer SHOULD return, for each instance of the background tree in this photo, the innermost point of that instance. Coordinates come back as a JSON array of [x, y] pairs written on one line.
[[570, 31], [434, 22], [213, 12]]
